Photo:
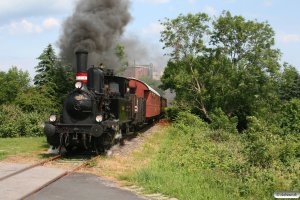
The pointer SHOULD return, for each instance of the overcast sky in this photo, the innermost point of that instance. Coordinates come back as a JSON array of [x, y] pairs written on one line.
[[28, 26]]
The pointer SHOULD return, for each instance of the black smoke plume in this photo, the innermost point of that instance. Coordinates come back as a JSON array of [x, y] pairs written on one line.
[[95, 26]]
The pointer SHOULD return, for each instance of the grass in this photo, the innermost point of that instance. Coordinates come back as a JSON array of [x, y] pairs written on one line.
[[194, 162], [13, 146], [119, 166], [181, 175]]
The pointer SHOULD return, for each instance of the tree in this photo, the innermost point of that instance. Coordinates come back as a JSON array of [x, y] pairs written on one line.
[[46, 67], [184, 35], [12, 83], [33, 100], [289, 85], [54, 79], [290, 119], [235, 70]]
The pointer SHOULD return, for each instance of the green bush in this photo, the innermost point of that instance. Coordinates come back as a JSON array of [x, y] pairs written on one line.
[[33, 124], [16, 123], [34, 100], [290, 121], [172, 112], [10, 116], [259, 142], [287, 153], [221, 121], [219, 135], [260, 154], [189, 120]]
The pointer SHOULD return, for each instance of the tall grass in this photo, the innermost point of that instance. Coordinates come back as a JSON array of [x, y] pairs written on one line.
[[195, 162]]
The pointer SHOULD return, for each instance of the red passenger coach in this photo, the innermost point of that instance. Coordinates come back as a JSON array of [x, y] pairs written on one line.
[[153, 98]]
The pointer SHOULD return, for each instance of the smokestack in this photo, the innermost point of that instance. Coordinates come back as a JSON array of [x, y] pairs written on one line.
[[81, 62]]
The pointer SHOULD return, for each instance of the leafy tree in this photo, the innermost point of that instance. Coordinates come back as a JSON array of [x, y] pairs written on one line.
[[122, 58], [290, 120], [235, 70], [184, 35], [33, 100], [289, 83], [12, 83]]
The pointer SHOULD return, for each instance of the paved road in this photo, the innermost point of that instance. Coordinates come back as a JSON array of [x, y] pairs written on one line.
[[18, 186], [83, 187]]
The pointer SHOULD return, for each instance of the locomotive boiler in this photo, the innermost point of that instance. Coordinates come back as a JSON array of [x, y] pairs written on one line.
[[102, 109]]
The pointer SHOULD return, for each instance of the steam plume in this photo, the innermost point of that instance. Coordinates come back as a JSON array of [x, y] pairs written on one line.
[[96, 26]]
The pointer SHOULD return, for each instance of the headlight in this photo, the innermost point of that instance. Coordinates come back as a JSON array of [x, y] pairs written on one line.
[[52, 118], [99, 118], [78, 85]]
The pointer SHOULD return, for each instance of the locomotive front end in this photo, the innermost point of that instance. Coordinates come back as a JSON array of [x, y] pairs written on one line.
[[81, 123]]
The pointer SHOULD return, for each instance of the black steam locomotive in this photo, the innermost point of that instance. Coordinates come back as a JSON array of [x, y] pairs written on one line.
[[101, 110]]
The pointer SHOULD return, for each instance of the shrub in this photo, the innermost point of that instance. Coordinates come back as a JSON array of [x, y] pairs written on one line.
[[34, 100], [33, 124], [260, 154], [259, 143], [221, 121], [288, 153], [172, 112], [219, 135], [189, 119], [9, 118], [290, 121], [15, 123]]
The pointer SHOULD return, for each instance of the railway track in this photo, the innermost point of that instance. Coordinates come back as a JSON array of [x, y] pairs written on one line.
[[80, 164]]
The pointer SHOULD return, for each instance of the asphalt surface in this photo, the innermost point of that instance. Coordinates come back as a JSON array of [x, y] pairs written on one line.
[[18, 186], [80, 186]]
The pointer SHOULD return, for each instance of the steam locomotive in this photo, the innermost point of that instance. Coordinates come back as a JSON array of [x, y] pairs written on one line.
[[102, 109]]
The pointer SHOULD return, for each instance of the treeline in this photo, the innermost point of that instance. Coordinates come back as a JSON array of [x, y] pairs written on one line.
[[24, 103]]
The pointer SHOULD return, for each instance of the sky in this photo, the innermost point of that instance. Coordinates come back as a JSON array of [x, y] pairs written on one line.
[[28, 26]]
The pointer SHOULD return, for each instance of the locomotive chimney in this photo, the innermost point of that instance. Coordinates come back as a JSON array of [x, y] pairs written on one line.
[[81, 62]]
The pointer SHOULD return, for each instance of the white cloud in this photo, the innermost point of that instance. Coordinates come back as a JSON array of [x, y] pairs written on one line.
[[210, 10], [50, 23], [28, 27], [153, 28], [14, 10], [289, 38], [23, 26]]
